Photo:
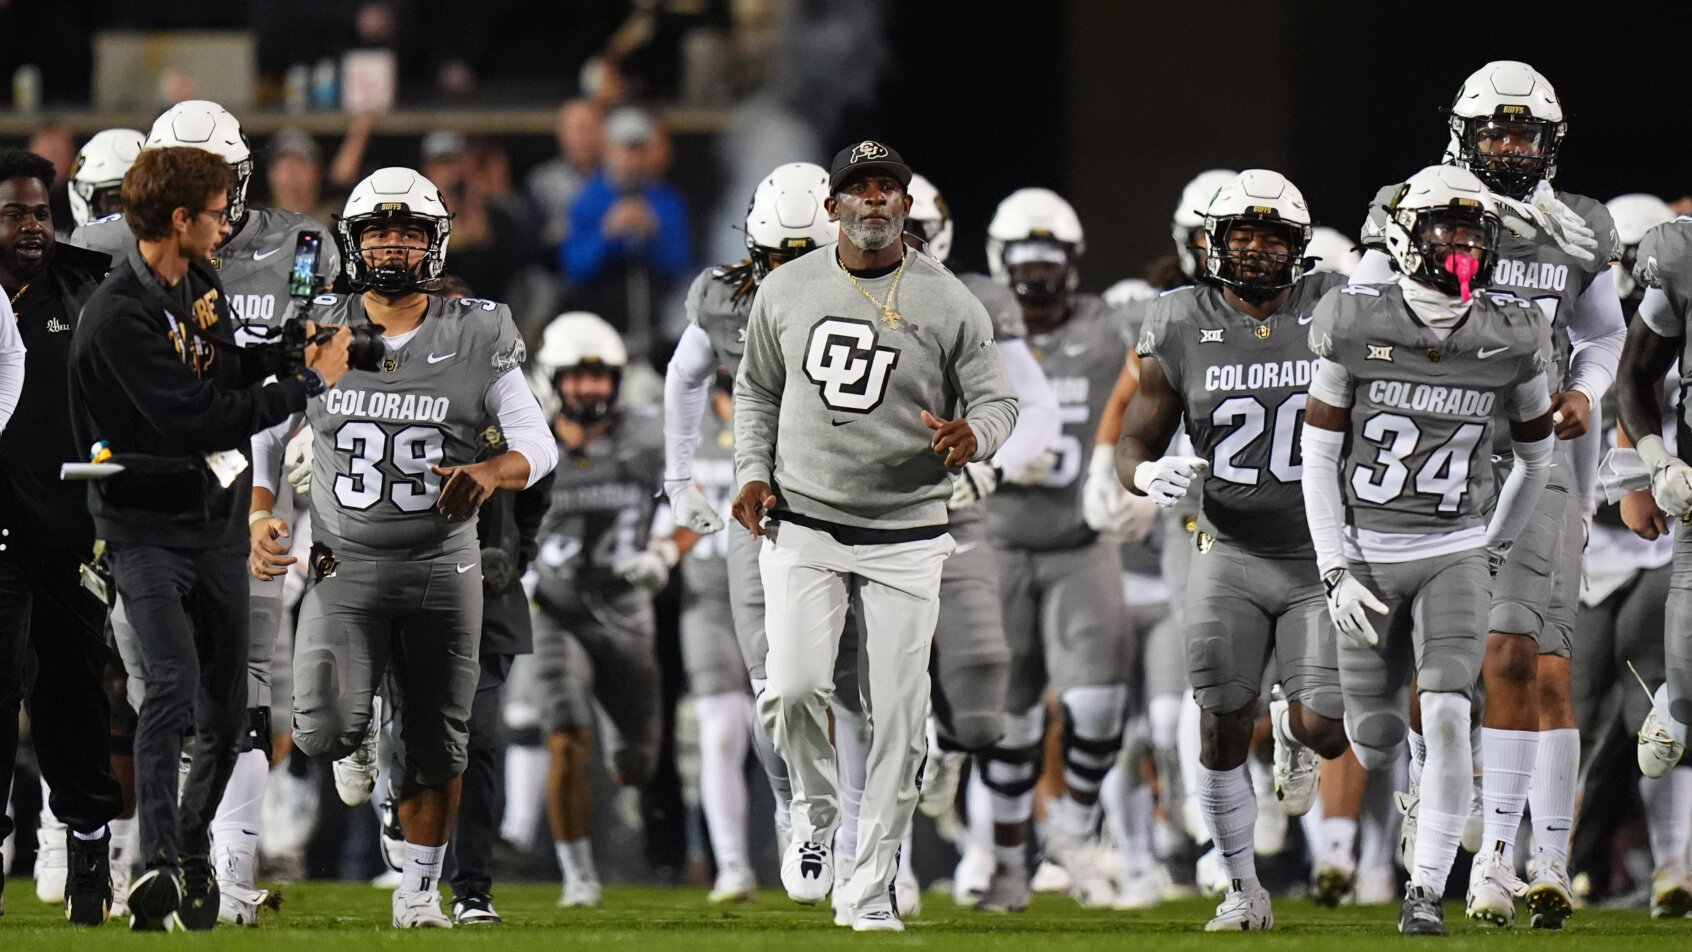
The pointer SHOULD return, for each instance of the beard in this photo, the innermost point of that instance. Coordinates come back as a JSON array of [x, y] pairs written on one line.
[[872, 236], [22, 267]]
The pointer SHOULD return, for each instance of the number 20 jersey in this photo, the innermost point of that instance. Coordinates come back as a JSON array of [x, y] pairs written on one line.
[[376, 434], [1243, 384], [1418, 454]]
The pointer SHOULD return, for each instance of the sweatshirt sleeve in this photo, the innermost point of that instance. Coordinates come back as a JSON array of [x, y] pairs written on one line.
[[757, 398], [979, 379], [11, 362]]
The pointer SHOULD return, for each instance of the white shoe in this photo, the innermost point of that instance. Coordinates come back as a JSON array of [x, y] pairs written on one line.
[[881, 920], [238, 905], [838, 905], [355, 774], [940, 776], [1474, 828], [1210, 874], [419, 910], [1658, 750], [1269, 836], [907, 895], [582, 894], [1409, 805], [807, 872], [1549, 897], [1243, 911], [1671, 894], [1088, 883], [734, 884], [52, 864], [121, 858], [1376, 885], [392, 836], [1049, 877], [971, 878], [1333, 880], [1493, 888], [1297, 770], [1140, 890]]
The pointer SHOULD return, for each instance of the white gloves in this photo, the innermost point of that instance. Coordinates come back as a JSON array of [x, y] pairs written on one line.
[[1105, 505], [1544, 211], [975, 482], [1347, 598], [649, 569], [1671, 478], [1036, 472], [691, 510], [296, 462], [1166, 480]]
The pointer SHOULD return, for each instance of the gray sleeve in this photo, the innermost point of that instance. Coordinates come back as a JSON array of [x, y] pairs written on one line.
[[1375, 268], [1530, 399], [1657, 311], [978, 374], [757, 397]]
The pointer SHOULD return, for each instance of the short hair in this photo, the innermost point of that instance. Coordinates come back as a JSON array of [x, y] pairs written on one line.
[[18, 163], [163, 180], [455, 287]]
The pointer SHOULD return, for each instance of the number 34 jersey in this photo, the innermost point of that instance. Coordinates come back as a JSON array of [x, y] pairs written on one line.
[[376, 435], [1243, 385], [1417, 458]]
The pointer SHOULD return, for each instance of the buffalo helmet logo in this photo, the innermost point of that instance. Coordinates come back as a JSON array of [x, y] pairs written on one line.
[[867, 150]]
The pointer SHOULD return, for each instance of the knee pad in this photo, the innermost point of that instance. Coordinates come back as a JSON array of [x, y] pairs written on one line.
[[1092, 733], [1012, 766], [972, 731], [1444, 710], [1375, 737]]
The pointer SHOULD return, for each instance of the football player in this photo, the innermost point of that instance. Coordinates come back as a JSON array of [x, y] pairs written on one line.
[[96, 182], [1061, 588], [1507, 128], [396, 588], [1396, 487], [1253, 592], [257, 265]]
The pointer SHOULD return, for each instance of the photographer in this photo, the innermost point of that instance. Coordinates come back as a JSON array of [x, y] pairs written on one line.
[[157, 379]]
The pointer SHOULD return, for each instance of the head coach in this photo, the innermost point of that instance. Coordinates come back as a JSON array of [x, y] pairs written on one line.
[[156, 379], [869, 371]]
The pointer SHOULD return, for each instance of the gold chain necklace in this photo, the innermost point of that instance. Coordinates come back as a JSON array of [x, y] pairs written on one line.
[[890, 316], [20, 292]]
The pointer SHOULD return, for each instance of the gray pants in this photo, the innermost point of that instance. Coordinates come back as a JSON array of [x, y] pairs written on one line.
[[1243, 609], [1626, 627], [600, 652], [970, 664], [1064, 620], [418, 622], [1528, 583], [1677, 646], [710, 652], [1436, 631]]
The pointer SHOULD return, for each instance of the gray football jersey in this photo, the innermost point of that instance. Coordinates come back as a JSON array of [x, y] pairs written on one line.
[[1243, 384], [720, 305], [1082, 359], [706, 568], [1003, 309], [1665, 263], [1417, 457], [255, 265], [603, 499], [376, 434]]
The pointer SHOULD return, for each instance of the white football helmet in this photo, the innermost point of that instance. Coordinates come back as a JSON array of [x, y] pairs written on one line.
[[1332, 251], [203, 124], [786, 218], [930, 219], [1634, 215], [1437, 208], [1264, 198], [578, 339], [1127, 291], [1188, 221], [394, 193], [1507, 100], [1036, 216], [97, 177]]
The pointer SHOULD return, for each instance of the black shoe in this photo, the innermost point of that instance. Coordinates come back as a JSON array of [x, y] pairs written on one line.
[[475, 910], [1422, 913], [198, 911], [88, 882], [153, 900]]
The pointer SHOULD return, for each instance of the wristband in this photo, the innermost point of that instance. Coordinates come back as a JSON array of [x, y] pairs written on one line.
[[314, 382], [253, 517], [1331, 580]]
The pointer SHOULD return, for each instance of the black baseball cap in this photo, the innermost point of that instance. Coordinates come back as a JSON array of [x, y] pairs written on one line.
[[867, 156]]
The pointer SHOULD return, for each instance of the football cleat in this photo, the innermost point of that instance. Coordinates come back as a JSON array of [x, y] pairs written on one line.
[[1297, 769], [1089, 885], [1007, 891], [907, 894], [475, 910], [1493, 888], [1671, 894], [1421, 913], [355, 774], [153, 900], [1549, 897], [88, 884], [583, 894], [1333, 880], [419, 910], [881, 920], [51, 862], [1658, 750], [238, 905], [807, 872], [1243, 910], [973, 875], [1408, 806], [200, 904], [734, 884]]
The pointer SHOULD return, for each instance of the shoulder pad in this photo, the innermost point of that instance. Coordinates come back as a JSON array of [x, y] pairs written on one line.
[[1665, 256]]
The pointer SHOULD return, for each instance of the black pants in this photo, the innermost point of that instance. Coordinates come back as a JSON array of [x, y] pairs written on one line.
[[52, 653], [483, 798], [189, 611]]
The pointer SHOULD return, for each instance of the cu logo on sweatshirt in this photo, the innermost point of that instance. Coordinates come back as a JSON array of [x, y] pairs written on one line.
[[850, 371]]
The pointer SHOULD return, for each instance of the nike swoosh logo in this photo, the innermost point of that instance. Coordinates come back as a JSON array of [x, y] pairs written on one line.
[[1484, 352], [261, 255], [435, 360], [841, 422], [465, 568], [1307, 319]]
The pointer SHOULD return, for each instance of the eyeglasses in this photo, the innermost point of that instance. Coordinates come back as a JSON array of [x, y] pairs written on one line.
[[221, 214]]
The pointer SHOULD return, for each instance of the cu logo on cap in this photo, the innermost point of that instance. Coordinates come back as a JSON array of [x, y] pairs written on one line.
[[850, 371], [868, 149]]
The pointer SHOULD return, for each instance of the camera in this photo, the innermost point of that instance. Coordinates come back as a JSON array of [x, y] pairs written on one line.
[[286, 353]]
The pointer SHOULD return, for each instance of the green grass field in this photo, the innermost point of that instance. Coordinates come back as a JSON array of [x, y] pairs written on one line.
[[354, 918]]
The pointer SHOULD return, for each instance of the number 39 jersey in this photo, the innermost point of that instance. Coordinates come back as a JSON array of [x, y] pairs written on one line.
[[1417, 458], [1243, 385], [1081, 358], [376, 435]]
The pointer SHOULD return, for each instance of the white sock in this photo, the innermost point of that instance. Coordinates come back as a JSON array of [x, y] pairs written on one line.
[[1551, 795], [1070, 819], [1668, 816], [526, 766], [575, 858], [1509, 757], [1134, 843], [422, 868], [126, 836], [725, 725], [1447, 785], [978, 808], [1011, 857], [1188, 742], [1338, 838], [1230, 810], [1418, 760], [851, 755], [236, 827], [91, 835]]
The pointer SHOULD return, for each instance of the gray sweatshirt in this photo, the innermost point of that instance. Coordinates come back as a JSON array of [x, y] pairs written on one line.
[[829, 399]]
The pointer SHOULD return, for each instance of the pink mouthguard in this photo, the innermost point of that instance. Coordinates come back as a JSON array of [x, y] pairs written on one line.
[[1464, 267]]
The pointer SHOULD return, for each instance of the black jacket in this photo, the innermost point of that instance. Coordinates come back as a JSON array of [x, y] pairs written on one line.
[[36, 506], [156, 375], [510, 523]]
